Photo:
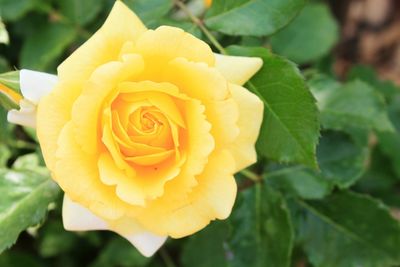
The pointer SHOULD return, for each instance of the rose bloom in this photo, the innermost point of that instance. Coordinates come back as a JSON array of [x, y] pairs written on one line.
[[144, 130]]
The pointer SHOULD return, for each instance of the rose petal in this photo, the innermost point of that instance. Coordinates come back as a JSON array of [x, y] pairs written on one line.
[[26, 116], [238, 70], [250, 119], [34, 85], [78, 218], [166, 43], [213, 197], [121, 26]]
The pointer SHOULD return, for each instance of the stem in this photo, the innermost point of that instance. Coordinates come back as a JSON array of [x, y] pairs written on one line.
[[166, 258], [200, 24], [251, 175]]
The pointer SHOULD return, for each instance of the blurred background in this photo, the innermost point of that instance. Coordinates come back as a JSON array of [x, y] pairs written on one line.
[[39, 34], [370, 34]]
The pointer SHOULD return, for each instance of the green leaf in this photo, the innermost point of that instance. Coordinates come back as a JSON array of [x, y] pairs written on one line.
[[13, 258], [262, 234], [55, 240], [11, 80], [11, 10], [39, 55], [5, 155], [119, 252], [311, 35], [380, 180], [389, 142], [258, 234], [6, 128], [4, 66], [200, 252], [80, 12], [251, 17], [24, 198], [6, 102], [30, 162], [368, 75], [299, 181], [150, 11], [342, 162], [290, 128], [355, 104], [348, 230]]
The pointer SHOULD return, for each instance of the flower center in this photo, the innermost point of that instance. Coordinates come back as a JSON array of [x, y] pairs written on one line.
[[146, 127]]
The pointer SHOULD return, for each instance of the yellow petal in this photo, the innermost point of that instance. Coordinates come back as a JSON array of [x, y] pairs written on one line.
[[86, 109], [126, 189], [165, 43], [54, 111], [79, 218], [223, 116], [77, 174], [249, 123], [150, 180], [158, 94], [149, 160], [121, 26], [212, 198], [196, 80], [238, 70]]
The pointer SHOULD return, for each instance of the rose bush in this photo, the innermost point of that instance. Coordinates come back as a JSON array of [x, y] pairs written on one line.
[[144, 130]]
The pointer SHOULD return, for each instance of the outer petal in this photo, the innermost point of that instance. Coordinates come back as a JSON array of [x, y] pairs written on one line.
[[54, 111], [196, 80], [78, 218], [76, 172], [121, 26], [212, 198], [238, 70], [34, 85], [26, 116], [249, 123], [166, 43]]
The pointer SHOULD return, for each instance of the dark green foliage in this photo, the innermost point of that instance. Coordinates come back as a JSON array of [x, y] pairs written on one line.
[[326, 195]]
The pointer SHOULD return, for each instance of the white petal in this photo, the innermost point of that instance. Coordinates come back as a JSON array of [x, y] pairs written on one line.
[[238, 70], [147, 243], [25, 116], [79, 218], [34, 85]]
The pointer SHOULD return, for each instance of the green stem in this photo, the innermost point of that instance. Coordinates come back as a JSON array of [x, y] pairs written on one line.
[[200, 24], [166, 257], [251, 175]]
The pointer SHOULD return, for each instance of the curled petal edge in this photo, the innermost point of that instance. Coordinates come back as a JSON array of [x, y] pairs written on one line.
[[78, 218], [34, 85], [237, 69]]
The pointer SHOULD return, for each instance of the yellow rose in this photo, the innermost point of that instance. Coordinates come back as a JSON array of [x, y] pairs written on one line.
[[144, 130], [208, 3]]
